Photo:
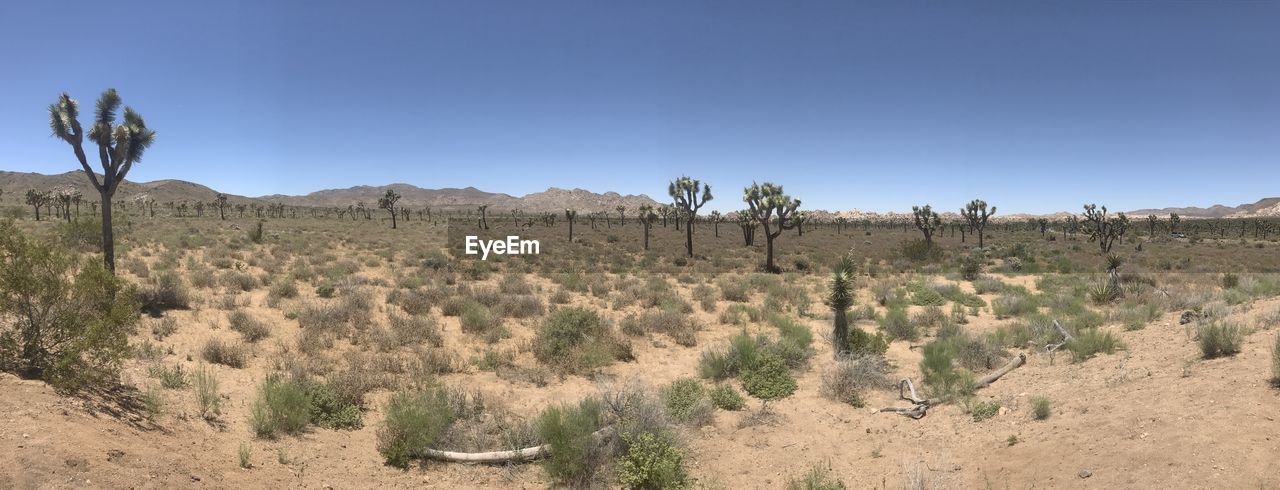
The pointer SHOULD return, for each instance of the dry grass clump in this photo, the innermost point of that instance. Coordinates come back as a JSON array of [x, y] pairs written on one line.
[[578, 340], [251, 329], [848, 379], [681, 327], [231, 354]]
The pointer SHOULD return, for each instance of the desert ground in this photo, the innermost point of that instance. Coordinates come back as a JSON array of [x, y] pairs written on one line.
[[1166, 381]]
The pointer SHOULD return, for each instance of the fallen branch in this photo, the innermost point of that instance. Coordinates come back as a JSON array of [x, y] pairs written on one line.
[[513, 456], [920, 407]]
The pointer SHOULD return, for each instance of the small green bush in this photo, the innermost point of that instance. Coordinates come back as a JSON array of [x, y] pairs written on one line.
[[1220, 339], [863, 343], [251, 329], [414, 420], [330, 409], [575, 455], [165, 292], [818, 477], [725, 397], [898, 326], [939, 372], [686, 402], [1041, 407], [577, 340], [207, 395], [225, 353], [1090, 342], [174, 378], [478, 319], [768, 379], [651, 461], [282, 407], [984, 410], [742, 352]]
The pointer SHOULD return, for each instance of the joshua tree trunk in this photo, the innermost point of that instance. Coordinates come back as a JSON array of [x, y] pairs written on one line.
[[840, 335], [768, 263], [108, 238]]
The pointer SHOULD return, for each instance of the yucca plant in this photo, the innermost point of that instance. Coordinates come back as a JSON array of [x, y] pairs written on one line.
[[839, 299]]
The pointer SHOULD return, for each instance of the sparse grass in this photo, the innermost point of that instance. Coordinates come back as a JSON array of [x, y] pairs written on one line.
[[818, 477], [984, 410], [577, 340], [251, 329], [575, 455], [282, 406], [849, 378], [413, 421], [1041, 407], [207, 395], [174, 378], [1090, 342]]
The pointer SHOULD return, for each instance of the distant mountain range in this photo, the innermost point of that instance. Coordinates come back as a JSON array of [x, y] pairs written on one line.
[[16, 184]]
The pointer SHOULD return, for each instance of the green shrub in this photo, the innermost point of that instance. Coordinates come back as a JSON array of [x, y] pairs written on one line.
[[575, 454], [939, 373], [925, 296], [170, 378], [898, 326], [478, 319], [679, 326], [984, 410], [330, 409], [1220, 339], [651, 461], [795, 341], [686, 402], [725, 397], [920, 251], [282, 407], [742, 352], [577, 340], [863, 343], [66, 320], [1041, 407], [207, 395], [768, 379], [413, 421], [1090, 342]]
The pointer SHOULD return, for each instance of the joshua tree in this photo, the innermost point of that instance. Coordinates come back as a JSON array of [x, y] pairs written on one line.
[[1174, 221], [622, 214], [388, 202], [1043, 224], [647, 217], [840, 223], [484, 223], [64, 196], [926, 221], [119, 147], [716, 218], [1104, 229], [800, 218], [37, 200], [221, 201], [665, 211], [773, 210], [976, 214], [1152, 220], [570, 215], [689, 196], [839, 299], [748, 225]]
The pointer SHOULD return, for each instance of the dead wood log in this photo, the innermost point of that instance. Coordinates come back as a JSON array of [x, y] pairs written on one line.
[[499, 457], [920, 407]]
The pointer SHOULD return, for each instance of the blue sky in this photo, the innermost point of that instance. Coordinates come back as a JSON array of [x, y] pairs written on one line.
[[1033, 106]]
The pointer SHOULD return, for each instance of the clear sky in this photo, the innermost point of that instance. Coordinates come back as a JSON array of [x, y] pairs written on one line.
[[1033, 106]]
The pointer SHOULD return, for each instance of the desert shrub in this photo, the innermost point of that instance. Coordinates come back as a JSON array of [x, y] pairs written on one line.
[[281, 407], [865, 312], [1013, 305], [283, 288], [920, 251], [734, 289], [740, 314], [652, 460], [413, 420], [768, 379], [331, 408], [577, 340], [925, 296], [931, 317], [938, 371], [520, 306], [250, 328], [795, 341], [1090, 342], [1230, 280], [205, 383], [164, 292], [408, 329], [818, 477], [224, 353], [992, 285], [164, 327], [412, 301], [239, 281], [863, 343], [84, 235], [478, 319], [725, 397], [1275, 362], [705, 295], [743, 351], [575, 455], [984, 410], [1137, 316], [850, 377], [970, 265], [972, 352], [1220, 339], [170, 378], [514, 284], [898, 326], [64, 320], [1041, 407], [686, 402]]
